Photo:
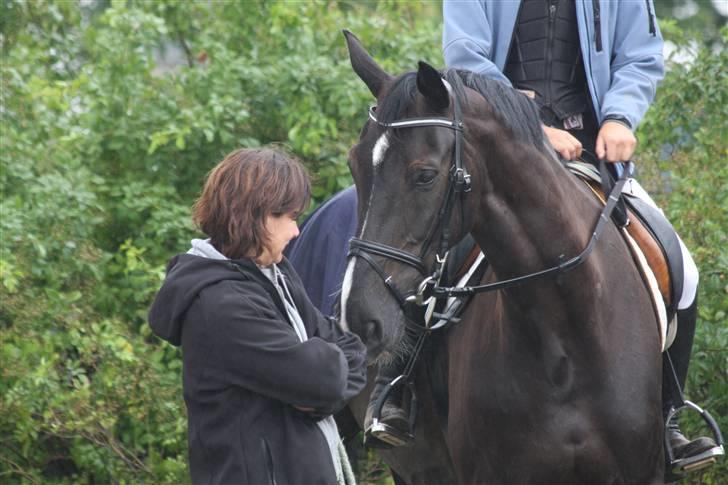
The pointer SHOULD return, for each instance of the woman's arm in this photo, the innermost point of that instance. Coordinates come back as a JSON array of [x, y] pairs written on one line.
[[262, 353], [355, 354]]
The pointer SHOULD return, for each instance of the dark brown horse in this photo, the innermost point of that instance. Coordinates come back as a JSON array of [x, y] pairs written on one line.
[[553, 381]]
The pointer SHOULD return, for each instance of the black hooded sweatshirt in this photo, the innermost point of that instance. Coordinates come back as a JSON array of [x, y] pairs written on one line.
[[245, 369]]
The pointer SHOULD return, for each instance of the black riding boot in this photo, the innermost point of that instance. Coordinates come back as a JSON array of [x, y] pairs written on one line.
[[680, 355], [392, 427]]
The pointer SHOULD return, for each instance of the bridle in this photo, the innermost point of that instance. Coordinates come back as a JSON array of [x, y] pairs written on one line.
[[458, 186]]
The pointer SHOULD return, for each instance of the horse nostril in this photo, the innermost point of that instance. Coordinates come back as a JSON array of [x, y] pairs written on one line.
[[373, 332]]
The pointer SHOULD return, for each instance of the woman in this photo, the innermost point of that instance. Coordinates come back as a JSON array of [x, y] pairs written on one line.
[[263, 369]]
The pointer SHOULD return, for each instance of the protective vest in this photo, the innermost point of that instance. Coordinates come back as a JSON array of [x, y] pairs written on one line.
[[545, 59]]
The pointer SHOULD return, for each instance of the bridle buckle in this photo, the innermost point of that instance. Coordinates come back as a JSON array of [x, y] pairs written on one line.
[[461, 179], [424, 291]]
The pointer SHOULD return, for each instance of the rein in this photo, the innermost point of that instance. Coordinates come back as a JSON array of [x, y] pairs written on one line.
[[563, 267]]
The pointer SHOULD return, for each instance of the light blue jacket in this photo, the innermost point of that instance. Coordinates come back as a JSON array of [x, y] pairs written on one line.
[[622, 75]]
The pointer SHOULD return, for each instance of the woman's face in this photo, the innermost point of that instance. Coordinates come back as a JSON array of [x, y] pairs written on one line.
[[281, 229]]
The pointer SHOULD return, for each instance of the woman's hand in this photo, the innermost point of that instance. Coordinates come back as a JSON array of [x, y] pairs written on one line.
[[615, 142], [563, 142]]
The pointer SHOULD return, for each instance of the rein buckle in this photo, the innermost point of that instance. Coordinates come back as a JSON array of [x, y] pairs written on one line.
[[424, 291]]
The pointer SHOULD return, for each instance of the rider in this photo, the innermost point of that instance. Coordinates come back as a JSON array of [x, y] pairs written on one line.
[[592, 68]]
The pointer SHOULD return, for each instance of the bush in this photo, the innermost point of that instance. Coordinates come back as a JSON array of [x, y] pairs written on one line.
[[104, 147]]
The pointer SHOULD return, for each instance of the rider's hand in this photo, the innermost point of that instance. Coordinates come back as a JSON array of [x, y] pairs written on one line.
[[563, 142], [615, 142]]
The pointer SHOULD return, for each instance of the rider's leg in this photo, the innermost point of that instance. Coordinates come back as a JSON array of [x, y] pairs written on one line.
[[687, 315], [680, 355], [681, 349]]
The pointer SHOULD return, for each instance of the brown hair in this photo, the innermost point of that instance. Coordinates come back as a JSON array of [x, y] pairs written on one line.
[[241, 191]]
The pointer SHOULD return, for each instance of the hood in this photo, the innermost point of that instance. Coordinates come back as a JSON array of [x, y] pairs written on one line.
[[187, 276]]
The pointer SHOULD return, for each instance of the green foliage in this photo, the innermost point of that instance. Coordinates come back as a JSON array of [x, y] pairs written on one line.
[[105, 143], [104, 146]]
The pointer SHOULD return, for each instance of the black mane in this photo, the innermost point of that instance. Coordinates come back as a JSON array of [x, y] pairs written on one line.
[[514, 109]]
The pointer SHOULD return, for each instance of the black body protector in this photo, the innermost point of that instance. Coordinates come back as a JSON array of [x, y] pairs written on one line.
[[545, 63]]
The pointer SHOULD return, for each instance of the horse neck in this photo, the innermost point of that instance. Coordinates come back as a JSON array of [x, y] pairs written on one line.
[[531, 215]]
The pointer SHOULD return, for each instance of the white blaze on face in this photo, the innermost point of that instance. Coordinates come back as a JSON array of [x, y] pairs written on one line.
[[345, 289], [349, 276], [380, 148]]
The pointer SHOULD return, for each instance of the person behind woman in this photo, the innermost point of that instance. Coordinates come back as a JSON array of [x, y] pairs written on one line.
[[263, 370]]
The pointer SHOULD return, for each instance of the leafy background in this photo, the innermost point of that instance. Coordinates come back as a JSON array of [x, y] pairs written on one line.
[[112, 114]]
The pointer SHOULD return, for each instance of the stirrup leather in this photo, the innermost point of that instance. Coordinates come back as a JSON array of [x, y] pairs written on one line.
[[681, 466]]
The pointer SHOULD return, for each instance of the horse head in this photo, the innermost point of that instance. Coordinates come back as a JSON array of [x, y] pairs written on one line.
[[403, 174]]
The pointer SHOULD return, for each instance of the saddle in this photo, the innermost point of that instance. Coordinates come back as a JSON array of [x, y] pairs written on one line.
[[654, 245]]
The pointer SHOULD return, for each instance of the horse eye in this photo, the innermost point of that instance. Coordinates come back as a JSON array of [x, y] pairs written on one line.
[[425, 177]]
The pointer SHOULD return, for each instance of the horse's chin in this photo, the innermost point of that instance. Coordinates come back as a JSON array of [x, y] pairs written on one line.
[[386, 358], [397, 352]]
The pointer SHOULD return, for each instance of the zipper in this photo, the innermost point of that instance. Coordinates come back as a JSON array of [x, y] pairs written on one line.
[[653, 31], [598, 24], [549, 50]]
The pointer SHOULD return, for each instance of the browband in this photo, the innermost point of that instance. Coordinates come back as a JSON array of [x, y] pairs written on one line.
[[453, 124]]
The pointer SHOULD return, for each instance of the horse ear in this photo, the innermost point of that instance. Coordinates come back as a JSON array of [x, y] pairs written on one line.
[[432, 86], [365, 67]]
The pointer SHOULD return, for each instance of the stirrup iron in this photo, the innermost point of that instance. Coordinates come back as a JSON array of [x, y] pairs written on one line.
[[386, 433], [702, 460], [389, 434]]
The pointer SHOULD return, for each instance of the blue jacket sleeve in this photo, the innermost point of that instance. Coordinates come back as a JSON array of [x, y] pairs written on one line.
[[636, 66], [467, 39]]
